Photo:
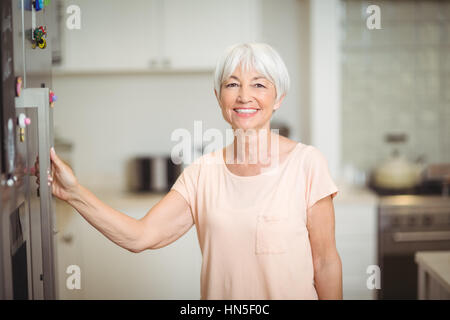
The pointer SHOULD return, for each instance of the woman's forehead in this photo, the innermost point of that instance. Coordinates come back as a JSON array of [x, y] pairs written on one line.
[[240, 73]]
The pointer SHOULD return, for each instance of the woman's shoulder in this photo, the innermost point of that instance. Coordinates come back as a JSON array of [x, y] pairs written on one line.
[[288, 146], [307, 154], [313, 158], [202, 162]]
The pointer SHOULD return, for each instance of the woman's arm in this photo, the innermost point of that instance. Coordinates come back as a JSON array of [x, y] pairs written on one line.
[[326, 260], [165, 222], [121, 229]]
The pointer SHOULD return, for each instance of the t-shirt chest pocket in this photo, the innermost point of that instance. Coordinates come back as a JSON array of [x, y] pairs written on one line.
[[271, 234]]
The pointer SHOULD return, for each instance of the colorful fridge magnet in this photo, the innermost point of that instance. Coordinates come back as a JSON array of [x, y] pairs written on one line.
[[39, 35], [52, 98], [38, 4], [18, 86], [35, 4]]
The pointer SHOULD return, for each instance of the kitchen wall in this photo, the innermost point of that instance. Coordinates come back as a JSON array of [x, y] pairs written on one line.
[[110, 117], [396, 79]]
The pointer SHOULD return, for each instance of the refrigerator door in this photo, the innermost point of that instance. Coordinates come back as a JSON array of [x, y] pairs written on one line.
[[27, 257], [34, 204], [40, 140]]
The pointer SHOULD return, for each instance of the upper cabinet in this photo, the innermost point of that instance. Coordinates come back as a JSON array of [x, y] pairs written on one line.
[[195, 33], [113, 35], [160, 35]]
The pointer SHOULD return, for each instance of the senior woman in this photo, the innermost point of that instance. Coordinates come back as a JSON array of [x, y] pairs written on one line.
[[265, 228]]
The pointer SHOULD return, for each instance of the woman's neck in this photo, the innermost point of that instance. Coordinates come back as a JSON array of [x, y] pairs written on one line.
[[251, 147]]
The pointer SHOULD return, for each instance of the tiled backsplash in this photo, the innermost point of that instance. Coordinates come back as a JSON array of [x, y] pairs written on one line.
[[396, 79]]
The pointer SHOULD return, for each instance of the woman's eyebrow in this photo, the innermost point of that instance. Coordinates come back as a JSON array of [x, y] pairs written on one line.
[[255, 78]]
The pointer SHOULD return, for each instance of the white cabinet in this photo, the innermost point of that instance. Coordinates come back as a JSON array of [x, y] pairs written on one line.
[[433, 275], [195, 33], [158, 35], [114, 34], [356, 242], [69, 225]]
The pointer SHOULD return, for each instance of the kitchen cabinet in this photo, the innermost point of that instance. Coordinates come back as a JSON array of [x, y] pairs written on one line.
[[156, 35], [433, 275], [194, 36], [69, 225], [123, 39], [356, 240]]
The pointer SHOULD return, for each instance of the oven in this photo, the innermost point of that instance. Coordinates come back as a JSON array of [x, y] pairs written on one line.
[[406, 224]]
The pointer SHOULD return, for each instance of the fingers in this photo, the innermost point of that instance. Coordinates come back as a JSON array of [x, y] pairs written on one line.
[[49, 180], [56, 163], [56, 160]]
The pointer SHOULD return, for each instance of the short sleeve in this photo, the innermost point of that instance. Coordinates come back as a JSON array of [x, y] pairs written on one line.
[[186, 184], [319, 182]]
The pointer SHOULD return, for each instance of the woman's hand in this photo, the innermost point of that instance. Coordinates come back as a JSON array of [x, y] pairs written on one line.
[[63, 181]]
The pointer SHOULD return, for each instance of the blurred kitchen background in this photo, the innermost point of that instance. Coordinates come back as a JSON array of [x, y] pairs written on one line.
[[375, 102]]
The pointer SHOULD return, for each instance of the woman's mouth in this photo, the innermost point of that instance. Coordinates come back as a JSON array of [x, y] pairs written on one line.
[[246, 112]]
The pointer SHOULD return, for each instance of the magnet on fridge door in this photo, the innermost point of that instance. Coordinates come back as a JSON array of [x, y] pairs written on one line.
[[22, 122], [22, 134], [39, 35], [52, 98], [38, 4], [19, 83], [42, 43]]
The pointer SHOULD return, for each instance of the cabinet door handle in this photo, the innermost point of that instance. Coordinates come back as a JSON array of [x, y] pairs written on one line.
[[421, 236]]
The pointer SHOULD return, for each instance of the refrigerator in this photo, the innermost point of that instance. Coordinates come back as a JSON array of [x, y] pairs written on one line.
[[27, 214]]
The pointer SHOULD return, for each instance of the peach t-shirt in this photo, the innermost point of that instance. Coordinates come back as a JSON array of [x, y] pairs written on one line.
[[252, 230]]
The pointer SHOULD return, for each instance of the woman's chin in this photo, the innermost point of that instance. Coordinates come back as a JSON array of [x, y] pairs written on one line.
[[247, 126]]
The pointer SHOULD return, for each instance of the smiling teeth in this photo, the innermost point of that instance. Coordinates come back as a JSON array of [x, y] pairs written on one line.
[[246, 110]]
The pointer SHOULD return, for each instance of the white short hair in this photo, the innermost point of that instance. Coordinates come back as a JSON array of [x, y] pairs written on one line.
[[260, 56]]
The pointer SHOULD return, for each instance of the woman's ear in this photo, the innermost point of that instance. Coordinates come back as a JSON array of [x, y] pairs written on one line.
[[277, 105], [217, 97]]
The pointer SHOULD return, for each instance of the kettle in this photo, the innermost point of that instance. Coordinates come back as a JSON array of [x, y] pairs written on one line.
[[397, 172]]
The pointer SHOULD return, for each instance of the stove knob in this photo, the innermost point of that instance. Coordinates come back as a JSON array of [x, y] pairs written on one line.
[[411, 221], [427, 221], [395, 221]]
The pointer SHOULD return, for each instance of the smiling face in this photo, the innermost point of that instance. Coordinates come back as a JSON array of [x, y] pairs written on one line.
[[247, 100]]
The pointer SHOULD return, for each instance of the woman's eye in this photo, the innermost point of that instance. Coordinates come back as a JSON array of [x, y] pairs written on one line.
[[259, 85], [231, 85]]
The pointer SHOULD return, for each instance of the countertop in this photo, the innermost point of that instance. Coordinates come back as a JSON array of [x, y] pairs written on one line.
[[347, 194], [437, 264], [354, 194]]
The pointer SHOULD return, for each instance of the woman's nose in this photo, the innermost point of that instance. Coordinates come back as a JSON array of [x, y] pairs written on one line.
[[244, 95]]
